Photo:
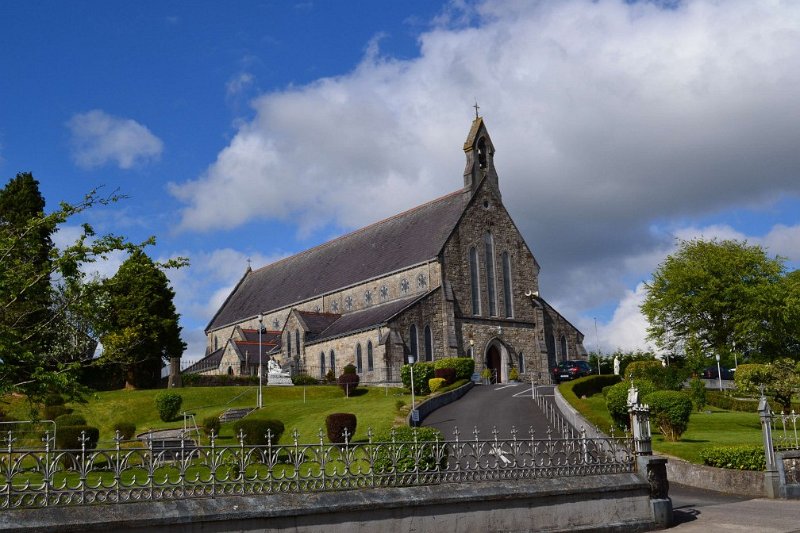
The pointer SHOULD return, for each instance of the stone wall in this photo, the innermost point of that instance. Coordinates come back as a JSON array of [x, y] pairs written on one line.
[[344, 349], [617, 502]]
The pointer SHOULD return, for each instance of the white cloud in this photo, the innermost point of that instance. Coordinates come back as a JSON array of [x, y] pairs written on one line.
[[609, 119], [238, 84], [99, 139]]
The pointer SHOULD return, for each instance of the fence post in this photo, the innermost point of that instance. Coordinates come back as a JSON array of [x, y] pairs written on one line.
[[771, 479]]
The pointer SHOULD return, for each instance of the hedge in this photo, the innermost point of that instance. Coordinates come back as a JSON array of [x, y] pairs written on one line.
[[747, 405], [447, 374], [222, 380], [464, 366], [735, 457], [435, 384], [337, 423], [422, 373], [70, 420], [304, 379], [617, 400], [591, 385], [255, 430]]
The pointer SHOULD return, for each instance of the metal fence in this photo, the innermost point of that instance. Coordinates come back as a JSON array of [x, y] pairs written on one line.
[[149, 471]]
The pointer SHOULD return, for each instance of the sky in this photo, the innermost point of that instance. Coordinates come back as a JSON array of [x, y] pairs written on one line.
[[256, 129]]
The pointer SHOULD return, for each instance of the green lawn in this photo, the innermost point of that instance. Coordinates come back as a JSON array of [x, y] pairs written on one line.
[[374, 407], [708, 428]]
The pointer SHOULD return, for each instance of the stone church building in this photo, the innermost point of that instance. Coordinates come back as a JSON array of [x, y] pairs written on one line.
[[452, 277]]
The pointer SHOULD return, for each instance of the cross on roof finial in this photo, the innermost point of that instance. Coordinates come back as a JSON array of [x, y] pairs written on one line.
[[248, 263], [476, 106]]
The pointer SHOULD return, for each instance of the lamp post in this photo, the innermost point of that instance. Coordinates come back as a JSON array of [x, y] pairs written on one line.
[[597, 345], [260, 373], [719, 374], [413, 404]]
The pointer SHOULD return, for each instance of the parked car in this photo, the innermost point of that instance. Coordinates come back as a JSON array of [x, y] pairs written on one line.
[[567, 370], [711, 373]]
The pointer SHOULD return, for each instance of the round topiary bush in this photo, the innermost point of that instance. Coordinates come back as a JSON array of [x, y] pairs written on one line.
[[168, 405], [211, 424], [670, 411], [256, 431], [337, 423], [70, 420], [349, 381], [126, 429], [617, 400], [69, 437]]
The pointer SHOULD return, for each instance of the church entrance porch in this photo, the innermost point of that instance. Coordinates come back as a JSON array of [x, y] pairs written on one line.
[[493, 363]]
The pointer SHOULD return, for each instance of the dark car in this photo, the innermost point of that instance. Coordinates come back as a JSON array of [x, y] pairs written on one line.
[[712, 373], [567, 370]]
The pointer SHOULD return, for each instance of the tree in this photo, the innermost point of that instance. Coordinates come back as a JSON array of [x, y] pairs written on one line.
[[32, 361], [713, 295], [139, 322], [779, 380]]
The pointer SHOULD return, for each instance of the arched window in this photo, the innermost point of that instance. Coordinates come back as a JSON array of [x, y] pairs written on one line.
[[521, 363], [474, 281], [508, 299], [297, 341], [428, 344], [215, 343], [412, 342], [488, 241], [370, 365], [471, 352], [564, 354], [322, 364], [289, 343], [333, 362], [359, 362], [230, 370]]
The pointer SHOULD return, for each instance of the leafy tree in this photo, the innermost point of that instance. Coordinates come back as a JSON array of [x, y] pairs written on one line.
[[139, 322], [780, 380], [713, 295], [32, 361]]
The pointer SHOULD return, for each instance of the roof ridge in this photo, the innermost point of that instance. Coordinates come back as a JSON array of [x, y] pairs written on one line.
[[360, 230]]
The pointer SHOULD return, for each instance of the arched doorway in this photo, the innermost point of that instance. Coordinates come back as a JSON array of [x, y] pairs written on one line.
[[494, 363]]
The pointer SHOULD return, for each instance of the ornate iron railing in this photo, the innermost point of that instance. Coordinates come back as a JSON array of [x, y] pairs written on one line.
[[785, 434], [145, 471]]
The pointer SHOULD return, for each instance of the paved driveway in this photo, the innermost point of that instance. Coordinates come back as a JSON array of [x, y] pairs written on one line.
[[487, 407]]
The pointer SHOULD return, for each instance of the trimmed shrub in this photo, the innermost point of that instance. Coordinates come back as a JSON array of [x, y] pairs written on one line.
[[336, 423], [617, 400], [422, 373], [304, 379], [447, 374], [435, 383], [349, 369], [330, 376], [168, 405], [664, 378], [211, 424], [68, 437], [735, 457], [222, 380], [697, 392], [51, 412], [255, 430], [670, 410], [70, 420], [591, 385], [349, 381], [513, 374], [413, 448], [126, 429], [464, 366]]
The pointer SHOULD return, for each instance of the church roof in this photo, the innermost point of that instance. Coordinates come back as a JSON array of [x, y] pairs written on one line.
[[398, 242], [209, 362], [318, 322]]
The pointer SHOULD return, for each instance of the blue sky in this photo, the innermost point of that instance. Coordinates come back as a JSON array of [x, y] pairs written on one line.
[[258, 129]]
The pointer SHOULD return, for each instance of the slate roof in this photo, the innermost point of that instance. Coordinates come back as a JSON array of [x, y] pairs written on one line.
[[367, 318], [398, 242], [317, 322], [211, 361]]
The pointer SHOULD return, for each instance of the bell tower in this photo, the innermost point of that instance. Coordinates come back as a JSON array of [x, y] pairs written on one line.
[[480, 156]]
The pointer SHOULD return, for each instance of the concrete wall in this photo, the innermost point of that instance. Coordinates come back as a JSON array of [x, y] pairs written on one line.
[[742, 482], [429, 406], [616, 502]]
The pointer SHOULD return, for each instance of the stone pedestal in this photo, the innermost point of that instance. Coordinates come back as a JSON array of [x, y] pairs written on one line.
[[281, 379]]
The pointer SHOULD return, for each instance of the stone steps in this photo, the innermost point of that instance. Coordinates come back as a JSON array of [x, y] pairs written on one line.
[[231, 415]]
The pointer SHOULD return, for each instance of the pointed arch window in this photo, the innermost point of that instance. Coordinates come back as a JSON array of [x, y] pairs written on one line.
[[508, 298], [488, 242], [289, 343], [564, 354], [474, 281], [370, 364], [333, 362], [521, 359], [297, 341], [428, 344], [359, 359], [412, 342], [322, 364]]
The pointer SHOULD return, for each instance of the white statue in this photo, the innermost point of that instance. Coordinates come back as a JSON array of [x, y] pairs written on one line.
[[273, 367], [616, 365]]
